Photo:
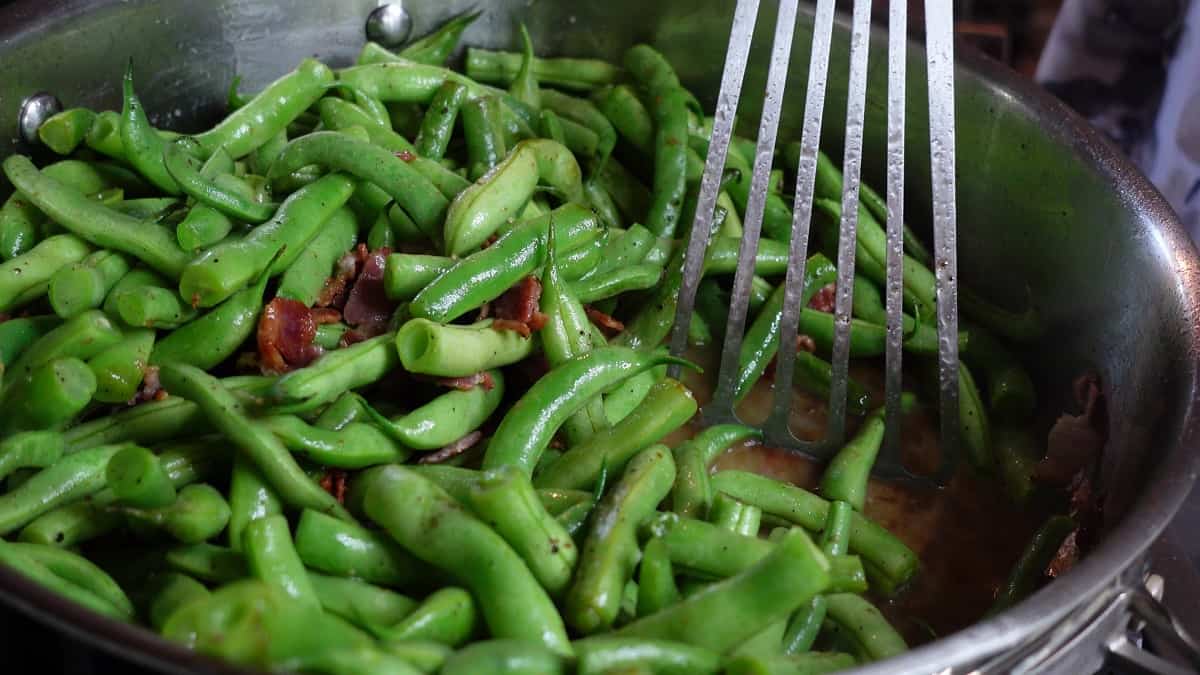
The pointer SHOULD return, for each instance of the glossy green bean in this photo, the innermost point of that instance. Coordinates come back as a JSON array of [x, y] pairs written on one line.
[[438, 123], [430, 524], [448, 616], [138, 479], [353, 447], [272, 558], [656, 579], [847, 474], [171, 591], [501, 68], [82, 337], [1029, 570], [437, 47], [227, 415], [181, 159], [19, 561], [602, 654], [692, 494], [407, 274], [484, 133], [17, 334], [730, 514], [344, 549], [446, 418], [805, 624], [812, 663], [142, 145], [445, 350], [30, 450], [366, 606], [305, 278], [27, 277], [64, 131], [85, 284], [71, 478], [229, 266], [53, 394], [865, 625], [250, 498], [199, 513], [621, 105], [1010, 393], [338, 371], [216, 335], [505, 657]]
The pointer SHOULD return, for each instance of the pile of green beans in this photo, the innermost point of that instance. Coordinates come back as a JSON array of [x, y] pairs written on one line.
[[346, 512]]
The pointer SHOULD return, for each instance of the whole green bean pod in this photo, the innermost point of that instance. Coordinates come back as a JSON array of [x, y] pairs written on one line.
[[30, 450], [621, 105], [181, 159], [338, 371], [845, 478], [1029, 569], [505, 499], [485, 275], [71, 478], [446, 418], [670, 162], [610, 550], [360, 603], [448, 616], [215, 336], [250, 498], [692, 494], [355, 446], [728, 612], [876, 545], [270, 111], [19, 560], [229, 266], [667, 407], [94, 222], [85, 284], [143, 146], [438, 123], [344, 549], [227, 415], [484, 132], [27, 277], [267, 545], [482, 208], [504, 657], [446, 350], [526, 430], [602, 654], [501, 68], [305, 278], [431, 525], [865, 625], [599, 286], [437, 47]]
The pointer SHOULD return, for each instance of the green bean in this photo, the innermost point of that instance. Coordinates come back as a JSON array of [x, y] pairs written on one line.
[[656, 579], [171, 591], [30, 450], [81, 337], [692, 494], [344, 549], [524, 87], [407, 274], [76, 570], [270, 111], [215, 336], [150, 304], [250, 498], [304, 280], [482, 208], [448, 616], [865, 625], [813, 663], [484, 133], [438, 123], [670, 161], [18, 560], [424, 655], [610, 550], [498, 67], [143, 146], [85, 284], [430, 524], [485, 275], [1016, 456], [138, 479], [730, 514], [551, 127], [1030, 568], [271, 556], [505, 499], [458, 351], [52, 395], [64, 131], [436, 47], [446, 418], [338, 371], [181, 159], [621, 105], [26, 277], [347, 408], [845, 478], [602, 654], [360, 603], [1024, 326], [622, 400], [974, 427], [876, 545], [229, 266], [207, 562], [71, 478], [1010, 393], [354, 447], [227, 414], [804, 625], [599, 286], [17, 334], [93, 222], [666, 407], [724, 614], [199, 513], [504, 657]]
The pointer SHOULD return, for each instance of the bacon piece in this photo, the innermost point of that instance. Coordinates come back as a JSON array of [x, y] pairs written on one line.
[[467, 383], [368, 307], [824, 299], [805, 343], [1075, 440], [351, 337], [151, 389], [333, 294], [1065, 558], [456, 448], [607, 324], [285, 336], [516, 326], [334, 482], [325, 315], [520, 303], [406, 155]]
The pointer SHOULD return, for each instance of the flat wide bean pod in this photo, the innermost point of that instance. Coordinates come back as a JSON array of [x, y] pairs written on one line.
[[431, 525]]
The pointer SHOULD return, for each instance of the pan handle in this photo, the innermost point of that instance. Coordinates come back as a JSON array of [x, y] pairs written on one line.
[[1156, 623]]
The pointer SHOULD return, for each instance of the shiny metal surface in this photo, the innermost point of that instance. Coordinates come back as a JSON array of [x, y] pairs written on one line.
[[35, 110], [1047, 210], [897, 54], [389, 25]]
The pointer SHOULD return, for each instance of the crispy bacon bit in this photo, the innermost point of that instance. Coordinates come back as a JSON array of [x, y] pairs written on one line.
[[334, 482], [456, 448], [406, 155], [334, 292], [1065, 558], [368, 307], [351, 337], [490, 240], [285, 336], [1075, 440], [607, 324], [805, 343], [325, 315], [824, 299], [467, 383], [520, 304], [515, 326]]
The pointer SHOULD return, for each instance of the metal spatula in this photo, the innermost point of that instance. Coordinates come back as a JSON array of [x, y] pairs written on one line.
[[940, 72]]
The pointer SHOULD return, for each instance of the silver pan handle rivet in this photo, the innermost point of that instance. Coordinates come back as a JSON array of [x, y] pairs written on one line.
[[389, 25], [35, 110]]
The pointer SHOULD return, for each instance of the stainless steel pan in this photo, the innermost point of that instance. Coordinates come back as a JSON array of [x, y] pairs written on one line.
[[1048, 210]]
